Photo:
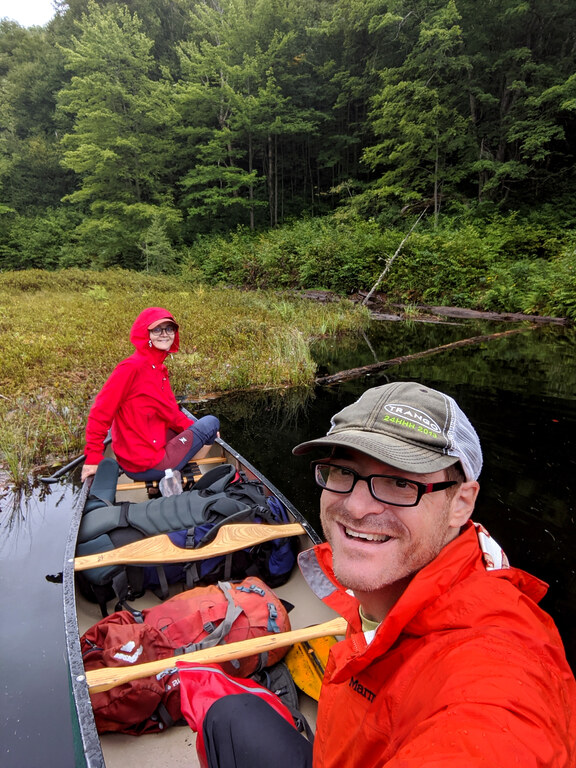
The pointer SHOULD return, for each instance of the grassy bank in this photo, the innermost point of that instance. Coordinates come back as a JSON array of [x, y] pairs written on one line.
[[62, 333]]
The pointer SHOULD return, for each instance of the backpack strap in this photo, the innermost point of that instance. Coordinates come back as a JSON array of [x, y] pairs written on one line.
[[163, 591], [217, 634], [217, 479], [103, 488], [163, 716], [278, 679], [103, 519]]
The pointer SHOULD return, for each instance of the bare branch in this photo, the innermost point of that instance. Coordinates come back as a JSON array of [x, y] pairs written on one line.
[[391, 260]]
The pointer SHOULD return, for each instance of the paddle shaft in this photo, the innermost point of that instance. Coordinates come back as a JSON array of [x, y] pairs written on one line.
[[159, 549], [109, 677], [70, 466]]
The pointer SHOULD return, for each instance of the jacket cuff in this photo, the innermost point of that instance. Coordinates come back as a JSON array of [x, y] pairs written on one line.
[[93, 458]]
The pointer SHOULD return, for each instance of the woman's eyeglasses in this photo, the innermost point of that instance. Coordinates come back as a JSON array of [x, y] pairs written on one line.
[[169, 330]]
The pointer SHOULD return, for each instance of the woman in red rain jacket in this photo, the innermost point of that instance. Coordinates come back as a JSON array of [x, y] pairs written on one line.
[[149, 432]]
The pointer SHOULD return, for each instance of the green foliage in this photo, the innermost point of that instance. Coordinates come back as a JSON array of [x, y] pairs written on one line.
[[160, 257], [313, 253], [121, 112], [417, 117], [535, 285], [127, 130], [505, 264], [440, 267], [37, 241]]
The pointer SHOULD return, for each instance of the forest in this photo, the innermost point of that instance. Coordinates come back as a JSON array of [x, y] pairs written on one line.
[[294, 143]]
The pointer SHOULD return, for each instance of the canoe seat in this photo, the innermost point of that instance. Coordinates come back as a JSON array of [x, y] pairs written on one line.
[[194, 466]]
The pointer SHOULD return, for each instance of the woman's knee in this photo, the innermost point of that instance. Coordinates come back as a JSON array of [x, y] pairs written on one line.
[[205, 430]]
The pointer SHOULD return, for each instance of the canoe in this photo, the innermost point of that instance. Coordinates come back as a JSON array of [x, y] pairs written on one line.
[[175, 746]]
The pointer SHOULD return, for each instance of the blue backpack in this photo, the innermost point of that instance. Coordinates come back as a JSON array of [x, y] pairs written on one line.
[[223, 495]]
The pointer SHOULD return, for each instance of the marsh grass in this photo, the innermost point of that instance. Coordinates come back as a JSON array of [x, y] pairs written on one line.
[[62, 333]]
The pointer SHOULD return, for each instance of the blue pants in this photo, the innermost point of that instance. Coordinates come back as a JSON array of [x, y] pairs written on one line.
[[181, 448]]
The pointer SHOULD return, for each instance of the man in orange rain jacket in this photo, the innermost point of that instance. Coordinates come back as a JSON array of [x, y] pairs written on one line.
[[448, 660]]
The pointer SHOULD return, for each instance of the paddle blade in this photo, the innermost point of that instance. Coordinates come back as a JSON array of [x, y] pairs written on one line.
[[307, 662], [160, 549]]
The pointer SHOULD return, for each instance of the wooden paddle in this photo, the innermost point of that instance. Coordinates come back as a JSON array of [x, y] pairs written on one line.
[[160, 549], [109, 677]]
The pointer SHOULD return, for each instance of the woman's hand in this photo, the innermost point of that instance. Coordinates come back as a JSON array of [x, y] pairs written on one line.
[[88, 470]]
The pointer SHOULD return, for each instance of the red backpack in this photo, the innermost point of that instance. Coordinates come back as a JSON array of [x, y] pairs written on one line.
[[199, 618]]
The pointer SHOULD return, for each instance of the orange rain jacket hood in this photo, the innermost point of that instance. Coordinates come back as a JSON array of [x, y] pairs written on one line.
[[465, 670]]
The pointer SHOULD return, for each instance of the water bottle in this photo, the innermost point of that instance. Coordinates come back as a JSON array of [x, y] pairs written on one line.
[[171, 483]]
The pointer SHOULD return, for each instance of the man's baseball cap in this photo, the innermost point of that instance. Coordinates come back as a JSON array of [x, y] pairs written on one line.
[[408, 426]]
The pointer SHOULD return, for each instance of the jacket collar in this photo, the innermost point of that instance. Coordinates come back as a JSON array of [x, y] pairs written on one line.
[[436, 598]]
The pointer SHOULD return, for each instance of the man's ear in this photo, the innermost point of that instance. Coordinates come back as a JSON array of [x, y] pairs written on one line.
[[463, 502]]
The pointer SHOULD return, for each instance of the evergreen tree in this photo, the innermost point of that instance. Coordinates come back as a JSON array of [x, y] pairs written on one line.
[[31, 72], [241, 119], [522, 57], [417, 114], [120, 140], [159, 256]]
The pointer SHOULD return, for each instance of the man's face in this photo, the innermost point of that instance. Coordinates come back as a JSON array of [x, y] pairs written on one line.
[[377, 546]]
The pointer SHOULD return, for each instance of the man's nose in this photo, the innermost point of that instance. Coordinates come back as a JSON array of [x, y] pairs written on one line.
[[360, 502]]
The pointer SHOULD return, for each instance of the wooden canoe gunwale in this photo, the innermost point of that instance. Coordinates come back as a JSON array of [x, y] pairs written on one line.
[[88, 746]]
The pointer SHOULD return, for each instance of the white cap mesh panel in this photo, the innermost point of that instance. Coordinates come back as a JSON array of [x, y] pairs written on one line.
[[465, 442]]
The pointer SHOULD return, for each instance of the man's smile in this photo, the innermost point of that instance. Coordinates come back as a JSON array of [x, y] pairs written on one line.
[[366, 536]]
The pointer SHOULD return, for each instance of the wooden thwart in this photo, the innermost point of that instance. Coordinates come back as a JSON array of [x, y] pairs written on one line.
[[108, 677], [160, 549], [137, 485]]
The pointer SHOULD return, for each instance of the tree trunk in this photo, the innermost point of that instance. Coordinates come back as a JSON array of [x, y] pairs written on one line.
[[251, 187], [270, 180]]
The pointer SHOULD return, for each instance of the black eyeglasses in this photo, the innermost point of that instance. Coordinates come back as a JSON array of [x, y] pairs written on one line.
[[397, 491], [170, 330]]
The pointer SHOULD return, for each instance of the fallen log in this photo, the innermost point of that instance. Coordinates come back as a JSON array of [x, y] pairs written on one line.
[[355, 373], [381, 305], [511, 317]]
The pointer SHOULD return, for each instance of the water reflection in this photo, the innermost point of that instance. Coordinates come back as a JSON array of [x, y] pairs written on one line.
[[23, 511], [34, 524]]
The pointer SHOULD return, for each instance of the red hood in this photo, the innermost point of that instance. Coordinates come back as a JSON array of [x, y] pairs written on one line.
[[140, 336]]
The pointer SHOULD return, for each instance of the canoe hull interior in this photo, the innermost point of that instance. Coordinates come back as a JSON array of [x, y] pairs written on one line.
[[176, 746]]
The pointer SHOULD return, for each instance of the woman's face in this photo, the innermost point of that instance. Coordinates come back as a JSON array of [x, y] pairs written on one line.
[[162, 337]]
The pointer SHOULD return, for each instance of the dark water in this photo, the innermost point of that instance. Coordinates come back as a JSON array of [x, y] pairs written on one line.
[[518, 390], [35, 723]]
